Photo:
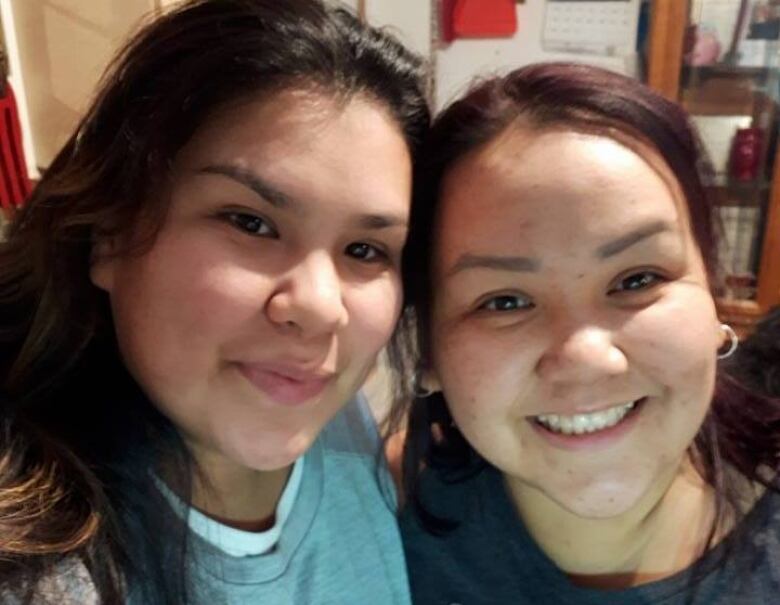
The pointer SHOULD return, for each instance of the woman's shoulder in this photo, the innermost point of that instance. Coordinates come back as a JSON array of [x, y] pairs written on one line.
[[353, 430], [66, 583], [760, 525]]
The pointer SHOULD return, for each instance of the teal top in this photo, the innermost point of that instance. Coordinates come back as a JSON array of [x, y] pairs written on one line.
[[340, 544]]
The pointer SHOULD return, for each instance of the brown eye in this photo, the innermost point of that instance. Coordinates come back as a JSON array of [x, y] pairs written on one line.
[[365, 252], [507, 303], [251, 224], [638, 281]]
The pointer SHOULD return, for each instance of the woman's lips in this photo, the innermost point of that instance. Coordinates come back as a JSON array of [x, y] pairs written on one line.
[[600, 438], [285, 384]]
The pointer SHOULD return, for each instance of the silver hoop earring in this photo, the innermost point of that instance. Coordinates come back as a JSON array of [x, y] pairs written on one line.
[[421, 392], [733, 341]]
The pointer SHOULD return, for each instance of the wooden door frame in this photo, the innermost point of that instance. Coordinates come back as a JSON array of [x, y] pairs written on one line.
[[668, 21], [769, 270]]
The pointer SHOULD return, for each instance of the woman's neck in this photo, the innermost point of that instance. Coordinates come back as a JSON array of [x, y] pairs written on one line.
[[662, 534], [235, 495]]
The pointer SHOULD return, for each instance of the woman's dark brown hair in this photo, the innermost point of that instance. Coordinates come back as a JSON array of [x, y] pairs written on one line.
[[757, 361], [77, 437], [741, 432]]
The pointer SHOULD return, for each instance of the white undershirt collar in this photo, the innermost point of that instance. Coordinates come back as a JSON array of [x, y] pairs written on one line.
[[232, 541]]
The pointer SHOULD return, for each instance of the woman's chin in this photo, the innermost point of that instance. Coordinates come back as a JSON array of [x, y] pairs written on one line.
[[269, 454], [602, 500]]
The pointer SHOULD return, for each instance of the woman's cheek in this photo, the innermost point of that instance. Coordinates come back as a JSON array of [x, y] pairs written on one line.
[[471, 375], [676, 339], [374, 312]]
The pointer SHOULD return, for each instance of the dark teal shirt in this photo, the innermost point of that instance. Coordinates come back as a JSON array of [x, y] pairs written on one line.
[[490, 558]]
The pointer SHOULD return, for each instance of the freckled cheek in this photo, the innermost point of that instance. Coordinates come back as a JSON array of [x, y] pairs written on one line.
[[477, 380], [676, 345]]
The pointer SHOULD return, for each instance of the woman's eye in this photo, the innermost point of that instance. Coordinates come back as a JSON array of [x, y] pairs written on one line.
[[637, 281], [507, 302], [251, 224], [365, 252]]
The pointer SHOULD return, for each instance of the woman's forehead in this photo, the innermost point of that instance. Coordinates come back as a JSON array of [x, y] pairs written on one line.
[[531, 164]]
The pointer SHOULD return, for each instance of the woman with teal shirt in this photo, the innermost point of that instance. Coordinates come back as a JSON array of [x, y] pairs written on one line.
[[189, 302]]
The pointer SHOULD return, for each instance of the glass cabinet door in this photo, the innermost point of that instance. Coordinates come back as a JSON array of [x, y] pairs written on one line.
[[724, 67]]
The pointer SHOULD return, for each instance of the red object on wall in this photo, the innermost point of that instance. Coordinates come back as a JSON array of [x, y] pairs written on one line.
[[446, 10], [483, 18], [14, 183]]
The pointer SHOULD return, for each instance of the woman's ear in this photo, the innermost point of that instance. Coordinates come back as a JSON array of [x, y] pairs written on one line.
[[431, 380], [103, 260], [427, 383]]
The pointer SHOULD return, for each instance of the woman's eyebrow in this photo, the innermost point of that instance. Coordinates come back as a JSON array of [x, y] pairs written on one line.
[[382, 221], [521, 264], [253, 181], [278, 198], [524, 264], [634, 237]]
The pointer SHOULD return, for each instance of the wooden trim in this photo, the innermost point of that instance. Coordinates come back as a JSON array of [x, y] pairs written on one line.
[[361, 10], [769, 270], [742, 315], [668, 22]]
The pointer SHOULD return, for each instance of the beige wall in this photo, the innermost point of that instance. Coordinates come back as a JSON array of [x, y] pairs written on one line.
[[63, 47], [410, 20]]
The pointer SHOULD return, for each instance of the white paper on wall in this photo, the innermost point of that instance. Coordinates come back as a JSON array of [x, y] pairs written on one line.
[[605, 27]]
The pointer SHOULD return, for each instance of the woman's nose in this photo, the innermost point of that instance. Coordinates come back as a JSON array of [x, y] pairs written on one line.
[[581, 355], [310, 297]]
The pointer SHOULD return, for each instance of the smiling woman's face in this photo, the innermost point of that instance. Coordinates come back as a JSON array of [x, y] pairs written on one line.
[[573, 330], [274, 281]]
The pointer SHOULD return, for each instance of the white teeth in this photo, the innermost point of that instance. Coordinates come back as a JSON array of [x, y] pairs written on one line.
[[585, 423]]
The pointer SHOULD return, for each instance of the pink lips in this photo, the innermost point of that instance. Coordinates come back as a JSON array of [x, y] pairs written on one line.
[[285, 384]]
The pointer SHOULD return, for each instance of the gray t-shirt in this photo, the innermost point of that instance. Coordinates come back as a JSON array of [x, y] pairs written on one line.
[[490, 558]]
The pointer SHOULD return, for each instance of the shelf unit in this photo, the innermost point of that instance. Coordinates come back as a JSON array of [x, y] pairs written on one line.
[[725, 89]]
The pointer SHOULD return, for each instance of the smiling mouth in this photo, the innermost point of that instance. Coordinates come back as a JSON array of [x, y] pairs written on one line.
[[594, 422]]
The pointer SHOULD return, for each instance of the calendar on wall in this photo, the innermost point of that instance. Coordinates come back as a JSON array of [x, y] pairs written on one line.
[[604, 27]]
